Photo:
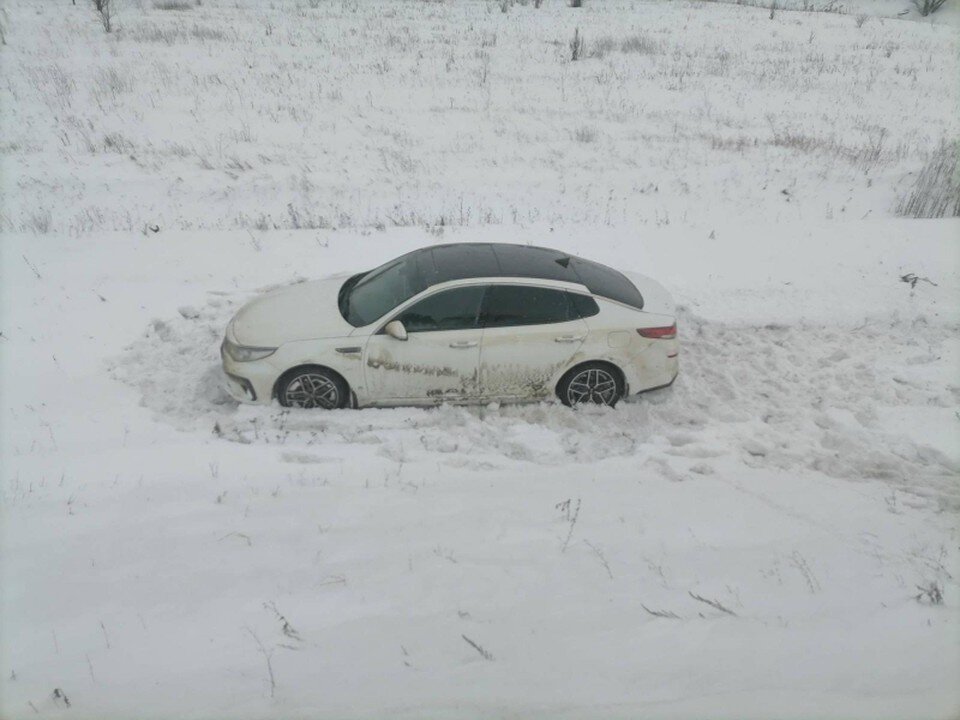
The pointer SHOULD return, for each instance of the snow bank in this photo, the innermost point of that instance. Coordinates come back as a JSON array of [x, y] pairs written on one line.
[[794, 398]]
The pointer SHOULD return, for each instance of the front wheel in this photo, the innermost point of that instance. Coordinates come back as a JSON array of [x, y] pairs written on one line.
[[312, 387], [596, 383]]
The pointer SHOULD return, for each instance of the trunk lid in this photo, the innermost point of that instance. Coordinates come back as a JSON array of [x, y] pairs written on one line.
[[656, 299]]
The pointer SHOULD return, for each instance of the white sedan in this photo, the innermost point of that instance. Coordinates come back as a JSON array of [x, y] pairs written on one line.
[[459, 323]]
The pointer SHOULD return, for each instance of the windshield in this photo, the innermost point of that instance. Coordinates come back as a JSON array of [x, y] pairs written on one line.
[[372, 295]]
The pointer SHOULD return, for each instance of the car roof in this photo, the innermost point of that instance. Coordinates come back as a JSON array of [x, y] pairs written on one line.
[[459, 261]]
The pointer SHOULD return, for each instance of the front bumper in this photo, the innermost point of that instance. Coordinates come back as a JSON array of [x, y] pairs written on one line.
[[248, 382], [240, 388]]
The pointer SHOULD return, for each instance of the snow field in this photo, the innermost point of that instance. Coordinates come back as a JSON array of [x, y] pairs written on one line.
[[382, 113], [773, 536]]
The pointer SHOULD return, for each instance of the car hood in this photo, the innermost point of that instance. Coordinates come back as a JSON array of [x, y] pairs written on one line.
[[304, 311]]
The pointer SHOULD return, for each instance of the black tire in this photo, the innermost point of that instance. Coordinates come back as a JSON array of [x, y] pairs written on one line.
[[595, 382], [312, 387]]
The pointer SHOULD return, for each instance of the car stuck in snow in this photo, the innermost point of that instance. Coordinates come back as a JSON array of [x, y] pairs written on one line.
[[458, 323]]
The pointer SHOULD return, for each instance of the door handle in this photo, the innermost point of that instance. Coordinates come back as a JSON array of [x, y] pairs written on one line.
[[568, 338], [464, 344]]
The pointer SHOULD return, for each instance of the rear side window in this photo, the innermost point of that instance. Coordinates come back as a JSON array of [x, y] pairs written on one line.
[[509, 305], [456, 309], [585, 305]]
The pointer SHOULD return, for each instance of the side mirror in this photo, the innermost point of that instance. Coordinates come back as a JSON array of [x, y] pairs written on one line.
[[395, 329]]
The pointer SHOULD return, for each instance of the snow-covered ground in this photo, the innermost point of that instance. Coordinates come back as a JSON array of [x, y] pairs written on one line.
[[801, 473], [774, 536]]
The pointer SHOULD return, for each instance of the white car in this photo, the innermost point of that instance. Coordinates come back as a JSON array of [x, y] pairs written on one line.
[[459, 323]]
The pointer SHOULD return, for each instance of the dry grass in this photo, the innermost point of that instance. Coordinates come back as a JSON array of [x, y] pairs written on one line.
[[936, 192], [585, 134], [179, 5], [637, 43]]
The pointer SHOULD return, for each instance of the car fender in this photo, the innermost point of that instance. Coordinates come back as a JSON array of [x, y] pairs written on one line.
[[342, 355]]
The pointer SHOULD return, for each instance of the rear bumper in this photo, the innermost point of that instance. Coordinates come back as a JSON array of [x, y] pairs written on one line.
[[658, 387], [655, 366]]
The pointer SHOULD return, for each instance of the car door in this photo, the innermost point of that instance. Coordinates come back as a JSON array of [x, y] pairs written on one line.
[[530, 334], [440, 358]]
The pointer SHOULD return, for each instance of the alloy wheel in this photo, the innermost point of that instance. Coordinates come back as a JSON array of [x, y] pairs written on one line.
[[593, 385], [312, 390]]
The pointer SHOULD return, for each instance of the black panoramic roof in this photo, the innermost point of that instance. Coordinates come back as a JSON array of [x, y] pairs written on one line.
[[476, 260]]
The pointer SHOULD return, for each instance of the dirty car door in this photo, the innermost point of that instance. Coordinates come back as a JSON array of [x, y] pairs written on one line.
[[439, 359], [530, 334]]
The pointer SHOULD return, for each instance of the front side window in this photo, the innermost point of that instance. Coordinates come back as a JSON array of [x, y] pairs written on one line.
[[456, 309], [508, 305]]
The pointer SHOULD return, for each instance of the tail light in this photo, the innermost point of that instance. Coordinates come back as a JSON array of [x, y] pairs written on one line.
[[659, 333]]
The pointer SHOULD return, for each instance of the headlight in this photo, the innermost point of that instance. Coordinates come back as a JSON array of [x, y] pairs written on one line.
[[242, 353]]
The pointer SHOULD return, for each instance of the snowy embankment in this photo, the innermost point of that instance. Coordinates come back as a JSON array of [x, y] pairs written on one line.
[[749, 543]]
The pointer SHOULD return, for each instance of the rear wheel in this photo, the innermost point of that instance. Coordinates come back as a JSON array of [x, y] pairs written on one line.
[[596, 383], [312, 387]]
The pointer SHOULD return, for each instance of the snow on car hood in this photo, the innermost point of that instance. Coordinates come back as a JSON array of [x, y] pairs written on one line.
[[303, 311]]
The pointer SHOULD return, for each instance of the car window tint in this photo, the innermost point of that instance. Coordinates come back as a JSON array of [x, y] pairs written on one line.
[[585, 305], [508, 305], [607, 282], [455, 309]]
